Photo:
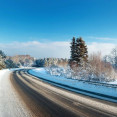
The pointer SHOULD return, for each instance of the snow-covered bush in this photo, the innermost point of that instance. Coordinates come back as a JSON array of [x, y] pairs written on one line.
[[99, 70], [95, 70], [87, 75], [55, 70], [5, 62]]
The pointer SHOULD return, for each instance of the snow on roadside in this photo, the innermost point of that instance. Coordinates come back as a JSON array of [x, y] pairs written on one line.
[[3, 72], [11, 104], [114, 82], [41, 72]]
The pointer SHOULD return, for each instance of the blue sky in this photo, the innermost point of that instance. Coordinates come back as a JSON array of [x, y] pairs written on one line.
[[58, 20]]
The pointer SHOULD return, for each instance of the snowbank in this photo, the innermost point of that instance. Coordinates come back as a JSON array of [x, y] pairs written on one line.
[[114, 82], [10, 103], [3, 72]]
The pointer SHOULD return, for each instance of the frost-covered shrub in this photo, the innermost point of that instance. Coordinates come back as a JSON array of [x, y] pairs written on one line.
[[67, 72], [96, 70], [99, 70], [59, 71]]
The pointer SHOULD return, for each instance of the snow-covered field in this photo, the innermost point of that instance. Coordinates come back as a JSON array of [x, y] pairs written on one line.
[[41, 72]]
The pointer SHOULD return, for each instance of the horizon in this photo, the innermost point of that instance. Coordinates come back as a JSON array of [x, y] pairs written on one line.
[[44, 28]]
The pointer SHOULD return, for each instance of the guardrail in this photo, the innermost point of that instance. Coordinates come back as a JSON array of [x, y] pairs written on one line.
[[86, 81], [98, 83], [81, 91]]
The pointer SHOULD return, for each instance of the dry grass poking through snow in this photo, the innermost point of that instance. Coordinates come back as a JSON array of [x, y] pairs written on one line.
[[100, 69], [96, 70]]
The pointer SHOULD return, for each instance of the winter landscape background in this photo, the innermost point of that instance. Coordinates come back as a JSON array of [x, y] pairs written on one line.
[[40, 35], [58, 58]]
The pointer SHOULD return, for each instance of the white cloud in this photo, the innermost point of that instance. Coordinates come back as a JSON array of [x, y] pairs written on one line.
[[104, 48], [50, 49], [103, 38], [37, 49]]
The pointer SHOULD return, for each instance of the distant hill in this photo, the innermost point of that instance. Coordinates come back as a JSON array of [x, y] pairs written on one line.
[[22, 60]]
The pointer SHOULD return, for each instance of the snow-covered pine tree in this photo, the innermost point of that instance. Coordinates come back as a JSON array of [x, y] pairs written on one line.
[[81, 52], [77, 51], [10, 64], [2, 59], [73, 49], [72, 61]]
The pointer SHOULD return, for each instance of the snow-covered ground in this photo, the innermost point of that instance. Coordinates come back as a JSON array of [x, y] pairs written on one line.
[[88, 74], [41, 72], [114, 82], [10, 103]]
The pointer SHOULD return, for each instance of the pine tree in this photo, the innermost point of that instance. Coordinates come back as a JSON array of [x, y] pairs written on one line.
[[73, 49], [77, 48], [79, 53], [82, 53], [2, 60]]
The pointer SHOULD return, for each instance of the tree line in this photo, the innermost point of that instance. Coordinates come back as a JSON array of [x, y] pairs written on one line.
[[93, 66], [47, 62]]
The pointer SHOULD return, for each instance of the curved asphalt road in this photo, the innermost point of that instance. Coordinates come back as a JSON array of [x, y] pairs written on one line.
[[23, 95], [45, 100]]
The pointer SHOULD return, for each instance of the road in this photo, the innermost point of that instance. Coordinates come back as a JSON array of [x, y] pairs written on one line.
[[36, 98], [44, 99]]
